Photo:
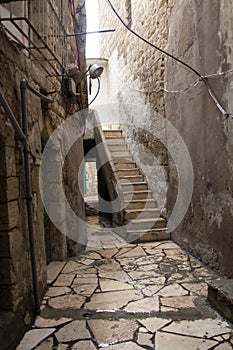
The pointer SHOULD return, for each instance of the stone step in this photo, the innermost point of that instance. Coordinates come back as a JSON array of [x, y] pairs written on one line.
[[121, 154], [120, 163], [132, 178], [137, 195], [112, 133], [115, 140], [119, 147], [140, 204], [135, 186], [144, 214], [122, 160], [220, 295], [148, 236], [146, 224], [123, 173]]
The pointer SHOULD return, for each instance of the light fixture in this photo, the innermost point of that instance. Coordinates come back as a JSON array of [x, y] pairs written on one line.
[[95, 71], [69, 85]]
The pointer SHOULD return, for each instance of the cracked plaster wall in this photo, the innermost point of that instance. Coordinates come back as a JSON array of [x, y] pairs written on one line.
[[201, 34]]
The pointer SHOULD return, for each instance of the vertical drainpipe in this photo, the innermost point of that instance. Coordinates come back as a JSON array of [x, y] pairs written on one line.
[[29, 199]]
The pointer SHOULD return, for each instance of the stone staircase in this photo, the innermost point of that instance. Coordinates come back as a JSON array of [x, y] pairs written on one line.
[[141, 218]]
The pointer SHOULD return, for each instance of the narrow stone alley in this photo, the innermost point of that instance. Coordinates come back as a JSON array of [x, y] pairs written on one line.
[[128, 297]]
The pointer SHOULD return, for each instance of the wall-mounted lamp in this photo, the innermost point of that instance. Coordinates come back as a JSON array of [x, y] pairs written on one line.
[[94, 71]]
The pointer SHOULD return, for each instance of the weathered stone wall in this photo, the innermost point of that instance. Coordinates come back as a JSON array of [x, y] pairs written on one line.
[[201, 34], [15, 267], [91, 179], [15, 256], [136, 78]]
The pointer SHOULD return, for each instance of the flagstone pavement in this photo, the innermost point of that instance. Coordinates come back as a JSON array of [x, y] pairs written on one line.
[[136, 296]]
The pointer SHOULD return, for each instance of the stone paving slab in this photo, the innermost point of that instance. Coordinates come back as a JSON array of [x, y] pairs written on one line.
[[106, 332], [147, 296], [53, 270]]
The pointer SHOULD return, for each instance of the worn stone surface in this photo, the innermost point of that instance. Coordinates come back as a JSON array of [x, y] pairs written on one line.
[[72, 267], [220, 295], [73, 331], [54, 268], [207, 328], [110, 285], [145, 305], [179, 302], [64, 280], [196, 288], [111, 332], [154, 324], [57, 291], [108, 253], [224, 346], [171, 315], [145, 339], [67, 302], [173, 341], [124, 346], [46, 345], [49, 323], [172, 291], [88, 279], [112, 300], [34, 337], [85, 289], [84, 345]]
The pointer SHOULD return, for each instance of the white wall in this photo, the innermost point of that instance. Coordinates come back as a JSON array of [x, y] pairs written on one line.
[[109, 116]]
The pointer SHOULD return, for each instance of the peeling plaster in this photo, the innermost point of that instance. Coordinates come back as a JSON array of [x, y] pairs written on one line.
[[213, 206]]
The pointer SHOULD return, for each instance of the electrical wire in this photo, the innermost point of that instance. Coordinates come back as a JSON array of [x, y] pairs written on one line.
[[183, 90], [201, 77], [79, 9], [97, 93], [167, 91], [219, 74]]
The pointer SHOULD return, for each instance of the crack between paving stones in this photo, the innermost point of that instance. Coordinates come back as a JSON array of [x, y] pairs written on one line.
[[93, 339], [194, 336]]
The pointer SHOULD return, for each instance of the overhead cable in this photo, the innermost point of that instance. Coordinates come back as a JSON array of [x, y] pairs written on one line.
[[201, 77]]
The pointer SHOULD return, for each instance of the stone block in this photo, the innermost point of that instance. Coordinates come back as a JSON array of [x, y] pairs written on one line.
[[51, 173], [35, 178], [9, 215], [220, 295], [5, 271], [58, 245], [7, 161], [4, 244], [9, 189], [7, 136], [55, 192], [5, 298], [57, 211]]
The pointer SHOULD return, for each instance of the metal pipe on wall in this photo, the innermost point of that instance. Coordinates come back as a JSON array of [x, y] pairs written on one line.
[[24, 85], [29, 199], [23, 133]]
